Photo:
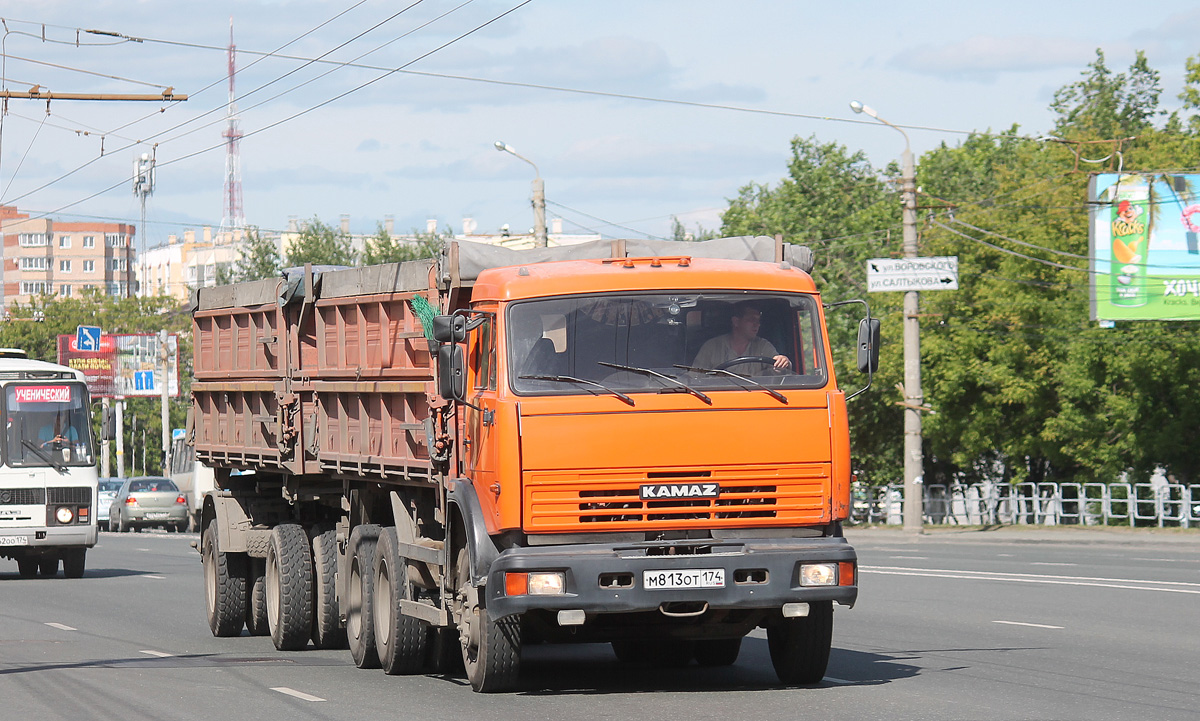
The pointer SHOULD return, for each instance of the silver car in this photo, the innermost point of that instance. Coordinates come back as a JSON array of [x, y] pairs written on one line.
[[106, 493], [148, 501]]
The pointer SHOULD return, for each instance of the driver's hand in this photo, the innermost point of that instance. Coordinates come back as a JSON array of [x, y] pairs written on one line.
[[782, 363]]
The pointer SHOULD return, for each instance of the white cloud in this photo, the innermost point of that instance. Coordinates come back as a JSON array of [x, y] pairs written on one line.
[[984, 56]]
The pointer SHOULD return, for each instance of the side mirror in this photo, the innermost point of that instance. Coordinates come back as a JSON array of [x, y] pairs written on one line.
[[108, 425], [868, 345], [449, 328], [452, 375]]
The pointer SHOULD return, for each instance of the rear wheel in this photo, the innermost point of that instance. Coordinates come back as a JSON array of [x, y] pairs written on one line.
[[74, 561], [256, 598], [718, 651], [360, 631], [289, 587], [327, 631], [48, 566], [491, 649], [400, 640], [800, 646], [224, 586]]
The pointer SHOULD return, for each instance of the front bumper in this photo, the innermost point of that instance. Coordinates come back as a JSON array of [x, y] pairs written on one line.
[[585, 566], [50, 537]]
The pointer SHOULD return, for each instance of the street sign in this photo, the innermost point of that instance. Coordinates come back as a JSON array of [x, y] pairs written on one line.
[[905, 274], [87, 337]]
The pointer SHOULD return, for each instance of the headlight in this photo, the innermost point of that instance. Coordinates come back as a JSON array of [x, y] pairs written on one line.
[[539, 583], [64, 514], [818, 574]]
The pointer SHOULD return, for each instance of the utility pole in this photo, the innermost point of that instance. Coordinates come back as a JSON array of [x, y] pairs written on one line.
[[120, 436], [540, 239], [164, 354], [143, 187], [914, 459], [105, 404]]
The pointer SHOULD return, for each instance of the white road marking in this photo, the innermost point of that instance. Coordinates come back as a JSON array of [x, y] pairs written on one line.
[[1048, 563], [61, 627], [1123, 583], [159, 654], [1031, 625], [298, 694], [910, 558], [152, 576]]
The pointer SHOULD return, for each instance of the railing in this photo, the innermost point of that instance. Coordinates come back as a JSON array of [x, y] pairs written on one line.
[[1040, 504]]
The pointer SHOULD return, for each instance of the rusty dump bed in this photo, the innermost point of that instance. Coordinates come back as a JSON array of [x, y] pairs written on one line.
[[325, 373], [330, 372]]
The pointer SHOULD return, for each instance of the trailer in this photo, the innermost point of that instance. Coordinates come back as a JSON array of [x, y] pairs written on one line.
[[437, 462]]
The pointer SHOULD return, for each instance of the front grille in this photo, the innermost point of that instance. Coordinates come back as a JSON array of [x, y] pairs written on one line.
[[23, 496], [69, 494], [595, 500]]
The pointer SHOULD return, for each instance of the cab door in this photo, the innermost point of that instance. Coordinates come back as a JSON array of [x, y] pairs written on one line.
[[481, 439]]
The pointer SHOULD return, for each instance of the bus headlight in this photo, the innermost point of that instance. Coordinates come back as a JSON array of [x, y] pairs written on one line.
[[64, 515]]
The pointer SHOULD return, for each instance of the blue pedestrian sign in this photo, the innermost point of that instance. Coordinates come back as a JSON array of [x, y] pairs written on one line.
[[87, 337]]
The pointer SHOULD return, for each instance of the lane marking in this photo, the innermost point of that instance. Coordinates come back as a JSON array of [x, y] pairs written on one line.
[[152, 576], [910, 558], [1049, 563], [158, 654], [1122, 583], [297, 694], [1031, 625], [61, 627]]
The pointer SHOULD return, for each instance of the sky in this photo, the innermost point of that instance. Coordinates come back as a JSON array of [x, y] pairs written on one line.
[[643, 110]]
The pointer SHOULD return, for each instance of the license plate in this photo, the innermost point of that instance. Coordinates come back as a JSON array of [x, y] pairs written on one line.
[[14, 540], [689, 578], [155, 515]]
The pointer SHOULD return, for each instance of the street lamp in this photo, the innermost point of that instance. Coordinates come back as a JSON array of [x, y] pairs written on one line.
[[913, 396], [539, 197]]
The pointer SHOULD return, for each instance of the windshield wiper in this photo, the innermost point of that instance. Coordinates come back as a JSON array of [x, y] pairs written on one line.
[[660, 376], [737, 376], [583, 381], [43, 455]]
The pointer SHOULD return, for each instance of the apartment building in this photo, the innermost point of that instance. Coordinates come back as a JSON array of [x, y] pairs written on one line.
[[43, 256]]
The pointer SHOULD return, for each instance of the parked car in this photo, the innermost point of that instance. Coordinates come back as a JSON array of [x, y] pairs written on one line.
[[147, 501], [106, 492]]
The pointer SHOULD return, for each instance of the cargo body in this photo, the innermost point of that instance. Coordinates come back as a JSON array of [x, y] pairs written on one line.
[[450, 458]]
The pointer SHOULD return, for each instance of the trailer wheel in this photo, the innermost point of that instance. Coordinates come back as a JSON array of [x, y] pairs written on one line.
[[256, 598], [491, 648], [360, 630], [289, 580], [73, 562], [224, 586], [717, 651], [399, 639], [48, 566], [800, 646], [327, 631], [27, 566]]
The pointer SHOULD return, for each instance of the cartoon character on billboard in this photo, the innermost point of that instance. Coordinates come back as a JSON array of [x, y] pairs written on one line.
[[1130, 243]]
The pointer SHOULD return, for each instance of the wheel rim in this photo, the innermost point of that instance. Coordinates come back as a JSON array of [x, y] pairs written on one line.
[[354, 612], [466, 599], [272, 589], [210, 578], [383, 607]]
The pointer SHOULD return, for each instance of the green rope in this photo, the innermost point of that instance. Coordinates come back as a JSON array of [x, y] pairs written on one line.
[[424, 312]]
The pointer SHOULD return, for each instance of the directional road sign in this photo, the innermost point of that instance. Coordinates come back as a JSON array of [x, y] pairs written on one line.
[[87, 338], [905, 274]]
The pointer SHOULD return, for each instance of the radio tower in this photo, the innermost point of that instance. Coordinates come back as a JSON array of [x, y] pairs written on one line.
[[233, 218]]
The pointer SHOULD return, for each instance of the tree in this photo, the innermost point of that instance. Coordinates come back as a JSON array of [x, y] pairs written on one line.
[[260, 257], [1191, 91], [680, 232], [1104, 105], [386, 248], [320, 244]]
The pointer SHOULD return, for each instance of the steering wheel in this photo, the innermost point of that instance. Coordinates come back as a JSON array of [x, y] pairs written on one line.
[[747, 359]]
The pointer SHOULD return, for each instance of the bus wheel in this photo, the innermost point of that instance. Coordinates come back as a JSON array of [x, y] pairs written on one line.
[[73, 562]]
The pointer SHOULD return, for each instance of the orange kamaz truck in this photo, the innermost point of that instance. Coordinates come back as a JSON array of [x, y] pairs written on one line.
[[629, 442]]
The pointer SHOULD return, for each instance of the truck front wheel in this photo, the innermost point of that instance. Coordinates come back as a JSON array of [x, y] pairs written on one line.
[[289, 587], [224, 586], [491, 648], [800, 646], [360, 581]]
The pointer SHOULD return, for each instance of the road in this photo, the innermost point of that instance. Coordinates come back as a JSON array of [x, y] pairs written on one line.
[[948, 626]]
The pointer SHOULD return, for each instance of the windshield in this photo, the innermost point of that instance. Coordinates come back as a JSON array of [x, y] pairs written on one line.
[[561, 345], [48, 424]]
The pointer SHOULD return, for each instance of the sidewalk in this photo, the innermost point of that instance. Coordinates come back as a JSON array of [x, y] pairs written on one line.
[[1027, 534]]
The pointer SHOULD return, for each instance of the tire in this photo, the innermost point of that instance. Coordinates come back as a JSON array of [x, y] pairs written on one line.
[[74, 561], [491, 649], [327, 629], [48, 566], [256, 598], [360, 627], [800, 646], [27, 566], [224, 586], [717, 652], [289, 581], [400, 640]]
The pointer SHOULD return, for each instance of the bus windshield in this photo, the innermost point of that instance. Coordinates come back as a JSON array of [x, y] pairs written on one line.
[[48, 425]]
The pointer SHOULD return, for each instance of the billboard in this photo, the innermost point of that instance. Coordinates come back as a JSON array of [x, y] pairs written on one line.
[[1144, 247], [124, 365]]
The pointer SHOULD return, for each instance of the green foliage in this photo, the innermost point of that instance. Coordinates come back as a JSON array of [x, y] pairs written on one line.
[[1104, 105], [680, 232], [260, 258], [385, 248], [320, 244]]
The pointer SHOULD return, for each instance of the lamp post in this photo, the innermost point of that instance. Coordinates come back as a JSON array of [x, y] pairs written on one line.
[[913, 396], [539, 197]]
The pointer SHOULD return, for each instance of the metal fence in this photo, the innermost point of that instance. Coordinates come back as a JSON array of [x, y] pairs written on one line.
[[1042, 504]]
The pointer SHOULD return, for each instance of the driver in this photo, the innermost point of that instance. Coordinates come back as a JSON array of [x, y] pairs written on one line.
[[742, 340]]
